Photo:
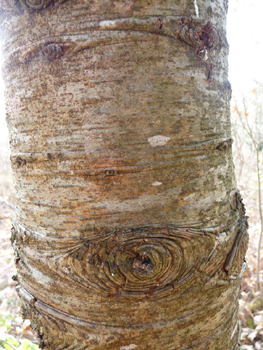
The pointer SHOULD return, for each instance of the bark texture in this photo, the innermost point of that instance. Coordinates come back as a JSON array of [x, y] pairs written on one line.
[[129, 232]]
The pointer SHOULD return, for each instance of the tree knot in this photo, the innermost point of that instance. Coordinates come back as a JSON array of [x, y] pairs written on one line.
[[196, 34]]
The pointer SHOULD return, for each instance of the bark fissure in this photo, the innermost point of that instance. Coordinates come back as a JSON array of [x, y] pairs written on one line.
[[202, 36]]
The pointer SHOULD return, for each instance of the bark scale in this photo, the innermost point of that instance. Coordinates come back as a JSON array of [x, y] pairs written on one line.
[[129, 232]]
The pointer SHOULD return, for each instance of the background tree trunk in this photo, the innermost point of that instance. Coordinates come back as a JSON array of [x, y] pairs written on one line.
[[129, 232]]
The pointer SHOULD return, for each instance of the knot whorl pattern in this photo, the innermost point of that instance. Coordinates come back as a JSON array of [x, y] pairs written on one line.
[[196, 34], [236, 257], [35, 4], [140, 262], [52, 51]]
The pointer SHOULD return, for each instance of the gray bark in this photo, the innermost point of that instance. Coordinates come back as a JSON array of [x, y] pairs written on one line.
[[129, 231]]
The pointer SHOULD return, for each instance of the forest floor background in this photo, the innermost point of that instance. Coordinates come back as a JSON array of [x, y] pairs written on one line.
[[251, 301]]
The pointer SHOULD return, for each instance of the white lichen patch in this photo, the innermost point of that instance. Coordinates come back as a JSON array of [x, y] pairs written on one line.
[[196, 9], [158, 140], [107, 23], [157, 183], [129, 347], [222, 237], [235, 329], [189, 197]]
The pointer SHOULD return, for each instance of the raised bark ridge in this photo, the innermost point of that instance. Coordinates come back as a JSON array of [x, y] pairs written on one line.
[[195, 33]]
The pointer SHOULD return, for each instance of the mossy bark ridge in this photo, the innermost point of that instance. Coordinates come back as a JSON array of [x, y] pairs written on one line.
[[129, 231]]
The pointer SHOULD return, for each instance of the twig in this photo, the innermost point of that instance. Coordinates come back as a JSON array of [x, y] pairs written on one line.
[[4, 217], [8, 204], [6, 342], [261, 218], [246, 126]]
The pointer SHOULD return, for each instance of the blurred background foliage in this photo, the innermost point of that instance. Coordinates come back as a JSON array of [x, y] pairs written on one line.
[[247, 131]]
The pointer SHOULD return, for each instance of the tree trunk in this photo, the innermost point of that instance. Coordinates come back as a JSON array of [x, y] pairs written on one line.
[[129, 232]]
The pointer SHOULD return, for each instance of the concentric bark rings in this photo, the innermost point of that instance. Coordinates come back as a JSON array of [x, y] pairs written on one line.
[[153, 261], [52, 51], [35, 4]]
